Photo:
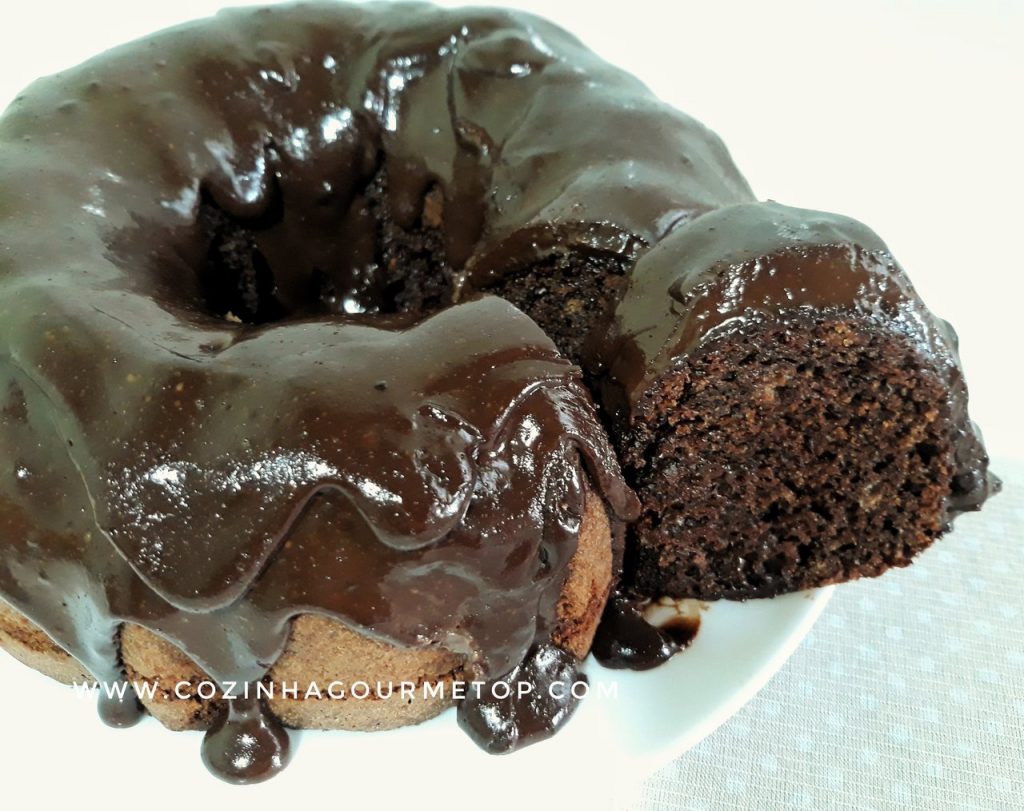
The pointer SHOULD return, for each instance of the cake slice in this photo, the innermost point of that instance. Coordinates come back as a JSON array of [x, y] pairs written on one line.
[[791, 413]]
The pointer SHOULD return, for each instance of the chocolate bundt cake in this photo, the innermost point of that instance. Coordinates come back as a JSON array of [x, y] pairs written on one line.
[[297, 305]]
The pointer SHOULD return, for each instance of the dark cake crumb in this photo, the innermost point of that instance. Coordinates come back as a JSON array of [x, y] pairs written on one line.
[[416, 276], [567, 294], [786, 457], [236, 279]]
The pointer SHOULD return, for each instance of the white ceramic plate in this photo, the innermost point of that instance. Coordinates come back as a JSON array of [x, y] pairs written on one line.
[[630, 724]]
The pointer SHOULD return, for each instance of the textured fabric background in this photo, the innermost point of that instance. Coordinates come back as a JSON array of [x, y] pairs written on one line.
[[907, 694]]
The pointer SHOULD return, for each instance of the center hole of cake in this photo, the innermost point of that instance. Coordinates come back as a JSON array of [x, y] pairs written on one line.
[[323, 256]]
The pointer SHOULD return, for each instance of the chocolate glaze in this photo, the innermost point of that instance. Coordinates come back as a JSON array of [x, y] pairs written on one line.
[[502, 720], [625, 640], [246, 744], [120, 709], [158, 458], [425, 495]]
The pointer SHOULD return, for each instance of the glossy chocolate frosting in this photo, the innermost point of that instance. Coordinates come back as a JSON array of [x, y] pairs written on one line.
[[157, 457], [446, 457]]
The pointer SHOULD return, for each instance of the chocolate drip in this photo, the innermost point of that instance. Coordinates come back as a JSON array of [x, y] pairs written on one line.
[[121, 708], [627, 641], [527, 704], [247, 744]]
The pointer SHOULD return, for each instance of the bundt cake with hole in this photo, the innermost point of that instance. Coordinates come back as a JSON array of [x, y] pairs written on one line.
[[299, 311]]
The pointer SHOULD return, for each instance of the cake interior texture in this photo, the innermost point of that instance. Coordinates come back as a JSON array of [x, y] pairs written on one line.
[[789, 456]]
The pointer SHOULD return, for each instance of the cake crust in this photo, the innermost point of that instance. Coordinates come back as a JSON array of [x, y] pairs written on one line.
[[321, 650]]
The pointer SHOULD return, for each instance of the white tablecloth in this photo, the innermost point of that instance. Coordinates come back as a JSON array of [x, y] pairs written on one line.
[[908, 693]]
